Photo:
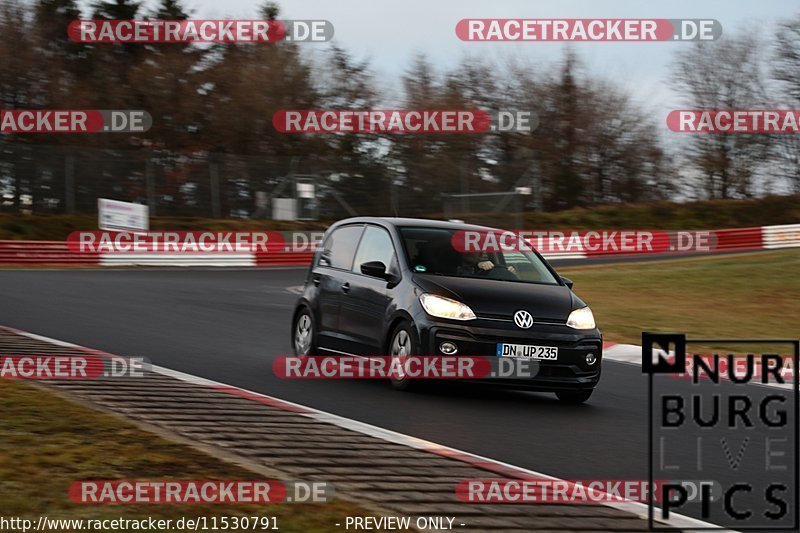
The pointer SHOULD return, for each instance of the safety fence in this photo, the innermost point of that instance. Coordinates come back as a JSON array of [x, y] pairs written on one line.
[[57, 253]]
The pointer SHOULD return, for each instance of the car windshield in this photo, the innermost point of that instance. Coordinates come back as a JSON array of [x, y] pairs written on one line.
[[431, 251]]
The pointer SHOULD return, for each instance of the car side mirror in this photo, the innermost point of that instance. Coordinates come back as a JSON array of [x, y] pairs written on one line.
[[324, 259], [376, 269], [568, 282]]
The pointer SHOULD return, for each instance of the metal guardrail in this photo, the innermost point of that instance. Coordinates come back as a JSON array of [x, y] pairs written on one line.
[[56, 253]]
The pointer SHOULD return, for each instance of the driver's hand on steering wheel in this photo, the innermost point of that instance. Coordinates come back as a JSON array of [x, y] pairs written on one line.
[[511, 269], [486, 265]]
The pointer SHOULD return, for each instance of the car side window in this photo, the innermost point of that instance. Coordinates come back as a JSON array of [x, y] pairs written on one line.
[[340, 247], [376, 245]]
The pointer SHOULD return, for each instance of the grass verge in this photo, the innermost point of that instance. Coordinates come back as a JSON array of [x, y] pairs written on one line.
[[46, 443], [739, 296]]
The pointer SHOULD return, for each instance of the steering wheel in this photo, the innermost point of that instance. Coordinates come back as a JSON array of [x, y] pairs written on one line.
[[499, 272]]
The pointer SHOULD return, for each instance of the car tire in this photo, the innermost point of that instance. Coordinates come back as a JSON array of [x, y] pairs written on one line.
[[574, 397], [304, 334], [403, 342]]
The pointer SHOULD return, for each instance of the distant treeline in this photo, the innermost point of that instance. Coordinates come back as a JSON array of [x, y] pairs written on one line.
[[212, 107]]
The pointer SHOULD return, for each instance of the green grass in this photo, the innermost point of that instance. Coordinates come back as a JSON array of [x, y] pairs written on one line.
[[46, 443], [740, 296]]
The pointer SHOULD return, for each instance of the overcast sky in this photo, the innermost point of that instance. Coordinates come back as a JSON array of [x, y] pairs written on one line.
[[389, 33]]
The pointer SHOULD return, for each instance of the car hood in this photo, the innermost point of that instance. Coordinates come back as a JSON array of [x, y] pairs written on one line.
[[494, 298]]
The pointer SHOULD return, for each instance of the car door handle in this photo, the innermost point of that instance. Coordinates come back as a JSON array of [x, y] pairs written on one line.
[[346, 287], [316, 280]]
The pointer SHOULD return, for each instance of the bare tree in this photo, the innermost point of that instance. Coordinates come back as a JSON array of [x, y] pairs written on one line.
[[724, 75], [786, 70]]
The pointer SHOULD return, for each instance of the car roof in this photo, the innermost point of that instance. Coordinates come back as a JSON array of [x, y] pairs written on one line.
[[418, 222]]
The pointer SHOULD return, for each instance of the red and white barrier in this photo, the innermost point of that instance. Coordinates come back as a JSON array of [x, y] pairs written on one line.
[[57, 253], [671, 242], [787, 236], [722, 240], [240, 259], [43, 253]]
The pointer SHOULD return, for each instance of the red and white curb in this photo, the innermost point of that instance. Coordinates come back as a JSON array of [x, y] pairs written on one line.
[[637, 509], [626, 353]]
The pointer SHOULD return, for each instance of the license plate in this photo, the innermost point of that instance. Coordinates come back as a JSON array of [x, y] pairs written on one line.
[[549, 353]]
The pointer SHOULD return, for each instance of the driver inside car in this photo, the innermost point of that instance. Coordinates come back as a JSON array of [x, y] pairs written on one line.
[[472, 263]]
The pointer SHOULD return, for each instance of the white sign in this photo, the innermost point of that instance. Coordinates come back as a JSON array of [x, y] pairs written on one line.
[[305, 190], [284, 209], [122, 216]]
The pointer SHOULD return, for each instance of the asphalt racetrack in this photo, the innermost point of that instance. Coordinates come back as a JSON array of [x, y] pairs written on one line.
[[228, 326]]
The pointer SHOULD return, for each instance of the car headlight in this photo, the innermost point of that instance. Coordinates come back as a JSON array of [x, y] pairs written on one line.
[[581, 319], [442, 307]]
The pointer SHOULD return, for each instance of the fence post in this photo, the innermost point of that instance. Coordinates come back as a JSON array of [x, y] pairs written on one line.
[[394, 205], [69, 183], [464, 188], [213, 171], [149, 185]]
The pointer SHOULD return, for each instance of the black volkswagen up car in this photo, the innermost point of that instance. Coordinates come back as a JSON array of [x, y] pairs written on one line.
[[396, 286]]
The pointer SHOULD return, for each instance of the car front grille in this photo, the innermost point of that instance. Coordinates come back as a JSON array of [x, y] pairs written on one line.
[[510, 318]]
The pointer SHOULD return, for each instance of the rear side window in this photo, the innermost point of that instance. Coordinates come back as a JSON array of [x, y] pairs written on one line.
[[376, 245], [340, 247]]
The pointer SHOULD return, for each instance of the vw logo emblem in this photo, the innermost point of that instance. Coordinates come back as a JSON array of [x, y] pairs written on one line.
[[523, 319]]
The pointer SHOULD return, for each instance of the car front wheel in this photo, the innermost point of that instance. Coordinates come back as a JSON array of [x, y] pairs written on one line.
[[403, 343]]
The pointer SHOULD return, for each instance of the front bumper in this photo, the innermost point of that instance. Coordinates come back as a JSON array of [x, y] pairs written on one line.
[[480, 338]]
